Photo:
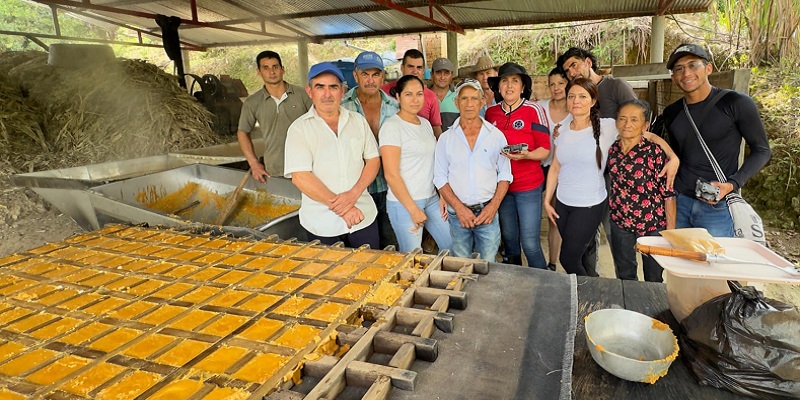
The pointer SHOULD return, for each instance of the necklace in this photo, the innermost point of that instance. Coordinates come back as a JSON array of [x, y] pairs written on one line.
[[511, 106]]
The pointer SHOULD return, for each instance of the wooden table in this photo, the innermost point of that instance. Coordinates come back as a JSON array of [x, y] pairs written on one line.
[[590, 381]]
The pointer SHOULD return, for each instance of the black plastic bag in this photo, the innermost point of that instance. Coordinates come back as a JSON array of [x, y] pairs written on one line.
[[744, 343]]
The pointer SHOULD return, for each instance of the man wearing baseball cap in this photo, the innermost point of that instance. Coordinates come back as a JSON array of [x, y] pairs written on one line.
[[414, 64], [442, 85], [332, 156], [472, 176], [376, 106], [723, 118]]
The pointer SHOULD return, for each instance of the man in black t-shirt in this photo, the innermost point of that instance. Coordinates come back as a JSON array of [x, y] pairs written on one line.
[[733, 118]]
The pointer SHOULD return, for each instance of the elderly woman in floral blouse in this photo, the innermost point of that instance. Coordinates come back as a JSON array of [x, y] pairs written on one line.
[[640, 202]]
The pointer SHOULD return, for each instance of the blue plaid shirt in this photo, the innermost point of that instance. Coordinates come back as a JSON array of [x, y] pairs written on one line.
[[388, 108]]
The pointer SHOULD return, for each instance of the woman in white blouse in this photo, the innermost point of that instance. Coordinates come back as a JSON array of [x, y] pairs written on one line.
[[407, 148]]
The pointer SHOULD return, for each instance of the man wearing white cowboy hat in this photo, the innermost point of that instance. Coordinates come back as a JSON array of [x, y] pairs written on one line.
[[481, 71], [472, 176]]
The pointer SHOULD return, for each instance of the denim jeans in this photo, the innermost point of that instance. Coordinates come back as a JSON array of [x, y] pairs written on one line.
[[693, 213], [410, 238], [520, 221], [387, 236], [485, 237], [624, 253]]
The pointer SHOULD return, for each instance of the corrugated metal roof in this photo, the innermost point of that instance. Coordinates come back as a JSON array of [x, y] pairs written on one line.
[[236, 22]]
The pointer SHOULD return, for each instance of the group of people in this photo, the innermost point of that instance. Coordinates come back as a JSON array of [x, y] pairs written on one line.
[[475, 164]]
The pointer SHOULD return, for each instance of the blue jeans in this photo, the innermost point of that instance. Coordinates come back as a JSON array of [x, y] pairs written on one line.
[[693, 213], [520, 221], [485, 237], [410, 238]]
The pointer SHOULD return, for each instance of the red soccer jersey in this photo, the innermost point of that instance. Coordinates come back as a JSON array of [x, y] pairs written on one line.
[[525, 124]]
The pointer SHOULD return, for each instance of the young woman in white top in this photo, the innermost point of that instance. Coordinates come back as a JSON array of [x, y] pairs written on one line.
[[407, 151], [581, 151], [557, 115]]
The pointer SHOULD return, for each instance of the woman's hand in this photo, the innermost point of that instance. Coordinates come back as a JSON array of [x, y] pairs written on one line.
[[418, 217], [522, 155], [443, 208], [551, 213]]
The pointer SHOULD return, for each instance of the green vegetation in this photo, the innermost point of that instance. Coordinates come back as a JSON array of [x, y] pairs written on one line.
[[23, 16]]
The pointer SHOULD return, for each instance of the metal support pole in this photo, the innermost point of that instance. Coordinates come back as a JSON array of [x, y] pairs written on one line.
[[187, 66], [657, 39], [302, 56], [452, 48]]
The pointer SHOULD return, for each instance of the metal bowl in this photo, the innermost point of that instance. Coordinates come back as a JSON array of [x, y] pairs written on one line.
[[630, 345]]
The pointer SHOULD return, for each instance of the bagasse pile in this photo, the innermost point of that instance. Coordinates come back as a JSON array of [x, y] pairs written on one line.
[[57, 118]]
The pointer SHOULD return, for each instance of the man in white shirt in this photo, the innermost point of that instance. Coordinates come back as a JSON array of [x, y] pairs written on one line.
[[332, 156], [472, 176]]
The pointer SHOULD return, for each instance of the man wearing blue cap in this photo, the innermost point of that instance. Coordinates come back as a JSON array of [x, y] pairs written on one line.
[[376, 106], [332, 156]]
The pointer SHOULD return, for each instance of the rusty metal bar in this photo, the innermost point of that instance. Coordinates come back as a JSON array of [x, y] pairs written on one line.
[[404, 10], [126, 26], [91, 40], [36, 40], [193, 4], [56, 24], [663, 6], [95, 7]]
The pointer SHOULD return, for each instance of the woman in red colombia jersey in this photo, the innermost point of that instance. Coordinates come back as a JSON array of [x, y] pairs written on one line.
[[523, 123]]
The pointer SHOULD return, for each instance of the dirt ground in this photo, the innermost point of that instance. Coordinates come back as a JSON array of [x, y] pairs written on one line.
[[36, 223]]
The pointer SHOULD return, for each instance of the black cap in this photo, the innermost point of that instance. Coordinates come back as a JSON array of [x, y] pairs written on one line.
[[685, 50]]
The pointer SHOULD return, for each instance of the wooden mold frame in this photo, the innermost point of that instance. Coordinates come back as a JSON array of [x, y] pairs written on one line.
[[402, 331], [32, 288]]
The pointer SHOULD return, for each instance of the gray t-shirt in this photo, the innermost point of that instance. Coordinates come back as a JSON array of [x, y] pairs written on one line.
[[274, 120], [613, 92]]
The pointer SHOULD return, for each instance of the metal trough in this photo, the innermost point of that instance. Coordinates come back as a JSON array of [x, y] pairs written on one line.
[[66, 188], [162, 199]]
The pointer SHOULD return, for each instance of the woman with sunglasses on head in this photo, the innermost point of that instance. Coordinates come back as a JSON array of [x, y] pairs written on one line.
[[557, 115], [581, 151], [523, 123], [407, 147]]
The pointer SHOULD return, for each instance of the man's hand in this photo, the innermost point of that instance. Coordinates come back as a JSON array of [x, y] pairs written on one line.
[[555, 130], [343, 202], [487, 215], [724, 189], [670, 170], [259, 172], [443, 208], [353, 217], [465, 216], [551, 212]]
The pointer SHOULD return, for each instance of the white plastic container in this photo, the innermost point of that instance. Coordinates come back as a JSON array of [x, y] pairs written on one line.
[[692, 283]]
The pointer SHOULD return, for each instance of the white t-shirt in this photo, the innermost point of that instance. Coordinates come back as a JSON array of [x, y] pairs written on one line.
[[546, 104], [417, 146], [337, 160], [580, 182]]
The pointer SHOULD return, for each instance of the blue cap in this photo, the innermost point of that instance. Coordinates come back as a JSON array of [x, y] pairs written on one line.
[[369, 60], [324, 67]]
